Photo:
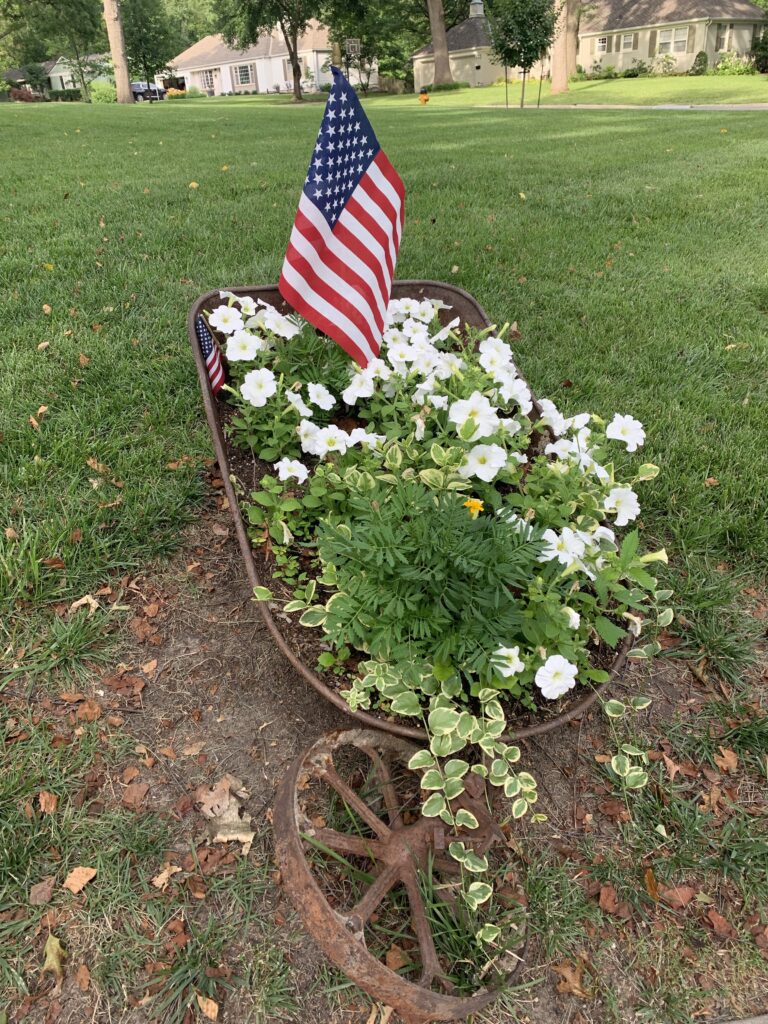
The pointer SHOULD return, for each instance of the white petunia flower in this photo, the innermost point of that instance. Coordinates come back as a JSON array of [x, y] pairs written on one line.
[[476, 410], [577, 422], [426, 358], [283, 326], [320, 396], [409, 307], [626, 429], [512, 427], [518, 524], [227, 295], [399, 353], [330, 439], [551, 417], [377, 369], [226, 319], [247, 305], [241, 347], [361, 386], [448, 363], [495, 356], [308, 431], [483, 461], [395, 312], [360, 436], [573, 617], [514, 389], [438, 401], [287, 468], [507, 661], [623, 501], [562, 449], [298, 403], [567, 547], [414, 329], [394, 336], [425, 312], [258, 386], [556, 676], [443, 333]]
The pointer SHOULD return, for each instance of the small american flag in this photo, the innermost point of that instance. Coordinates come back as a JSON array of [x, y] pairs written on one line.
[[211, 354], [340, 262]]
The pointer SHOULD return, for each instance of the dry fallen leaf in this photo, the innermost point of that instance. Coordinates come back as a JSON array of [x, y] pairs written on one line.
[[221, 805], [571, 979], [42, 891], [727, 761], [48, 802], [43, 346], [78, 878], [89, 711], [87, 599], [10, 533], [711, 481], [651, 885], [678, 896], [721, 926], [54, 959], [46, 309], [208, 1007], [193, 749], [96, 466], [396, 957], [160, 881], [149, 667], [134, 794], [193, 184], [83, 977], [84, 360], [130, 773]]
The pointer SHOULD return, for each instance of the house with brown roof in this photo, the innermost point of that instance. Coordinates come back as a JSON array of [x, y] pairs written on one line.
[[614, 32], [619, 32], [218, 69]]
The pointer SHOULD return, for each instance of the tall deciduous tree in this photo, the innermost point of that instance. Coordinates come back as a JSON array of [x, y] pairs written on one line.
[[243, 21], [149, 44], [522, 32], [443, 74], [114, 23]]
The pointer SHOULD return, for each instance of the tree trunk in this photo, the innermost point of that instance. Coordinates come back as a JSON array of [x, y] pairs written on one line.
[[81, 73], [559, 61], [572, 19], [291, 37], [443, 75], [117, 49]]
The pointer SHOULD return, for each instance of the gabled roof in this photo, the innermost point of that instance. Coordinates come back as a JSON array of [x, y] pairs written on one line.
[[212, 51], [465, 36], [619, 14]]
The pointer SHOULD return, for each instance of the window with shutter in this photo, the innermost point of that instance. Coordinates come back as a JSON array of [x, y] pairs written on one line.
[[691, 38], [628, 41], [636, 41], [602, 44], [608, 44], [652, 43], [680, 40]]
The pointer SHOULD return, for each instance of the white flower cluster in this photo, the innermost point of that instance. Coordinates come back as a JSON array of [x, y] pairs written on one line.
[[554, 677], [247, 327]]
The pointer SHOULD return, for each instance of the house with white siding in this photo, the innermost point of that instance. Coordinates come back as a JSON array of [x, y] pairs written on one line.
[[218, 69]]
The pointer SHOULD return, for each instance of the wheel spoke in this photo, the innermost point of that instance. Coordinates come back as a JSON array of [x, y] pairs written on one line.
[[363, 909], [355, 802], [430, 964], [382, 770], [359, 846]]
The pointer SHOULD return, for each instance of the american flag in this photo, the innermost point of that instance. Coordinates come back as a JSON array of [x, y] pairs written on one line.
[[211, 354], [340, 262]]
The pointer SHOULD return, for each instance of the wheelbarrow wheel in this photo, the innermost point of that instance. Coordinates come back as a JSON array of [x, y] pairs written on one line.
[[367, 871]]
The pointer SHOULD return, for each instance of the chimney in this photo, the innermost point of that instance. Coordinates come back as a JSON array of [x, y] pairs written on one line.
[[476, 9]]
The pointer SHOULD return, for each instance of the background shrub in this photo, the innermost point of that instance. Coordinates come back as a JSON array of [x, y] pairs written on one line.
[[700, 64], [103, 92], [65, 95], [176, 94], [194, 93], [448, 87], [733, 64], [760, 53], [24, 96]]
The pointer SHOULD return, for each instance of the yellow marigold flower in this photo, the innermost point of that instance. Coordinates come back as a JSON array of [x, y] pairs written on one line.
[[474, 505]]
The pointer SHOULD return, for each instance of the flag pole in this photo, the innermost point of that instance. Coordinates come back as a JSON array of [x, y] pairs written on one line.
[[506, 86]]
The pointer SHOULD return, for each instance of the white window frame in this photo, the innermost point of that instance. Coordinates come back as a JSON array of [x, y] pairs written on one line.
[[206, 78], [602, 44], [239, 69], [665, 45], [628, 37], [680, 40]]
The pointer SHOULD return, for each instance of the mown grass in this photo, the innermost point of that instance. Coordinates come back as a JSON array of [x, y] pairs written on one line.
[[604, 235], [630, 247]]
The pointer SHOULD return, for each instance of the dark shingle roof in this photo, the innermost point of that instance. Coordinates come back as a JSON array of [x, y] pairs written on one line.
[[619, 14], [464, 36]]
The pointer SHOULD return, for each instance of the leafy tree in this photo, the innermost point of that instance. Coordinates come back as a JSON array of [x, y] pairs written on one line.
[[384, 37], [522, 32], [149, 43], [243, 21], [443, 74], [36, 76], [190, 20], [760, 52]]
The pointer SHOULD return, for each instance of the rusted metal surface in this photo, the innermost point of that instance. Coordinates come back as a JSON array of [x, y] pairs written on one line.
[[398, 852], [470, 311]]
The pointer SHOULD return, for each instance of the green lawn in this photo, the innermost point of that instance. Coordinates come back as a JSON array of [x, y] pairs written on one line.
[[630, 247], [668, 89]]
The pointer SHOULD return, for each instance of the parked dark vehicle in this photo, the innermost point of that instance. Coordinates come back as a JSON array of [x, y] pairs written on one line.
[[142, 91]]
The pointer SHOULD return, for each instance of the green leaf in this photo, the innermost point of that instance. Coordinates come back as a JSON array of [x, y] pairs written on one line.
[[614, 708], [640, 703], [494, 710], [526, 780], [629, 547], [512, 787], [621, 765], [472, 862], [314, 616], [434, 805], [326, 660], [663, 595], [488, 934], [455, 768], [264, 498], [467, 819], [453, 788], [433, 478], [633, 751], [421, 759], [406, 704], [480, 892], [635, 778], [432, 779], [647, 471], [263, 594], [294, 606], [609, 631], [519, 807], [437, 454], [442, 721], [665, 617], [467, 429]]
